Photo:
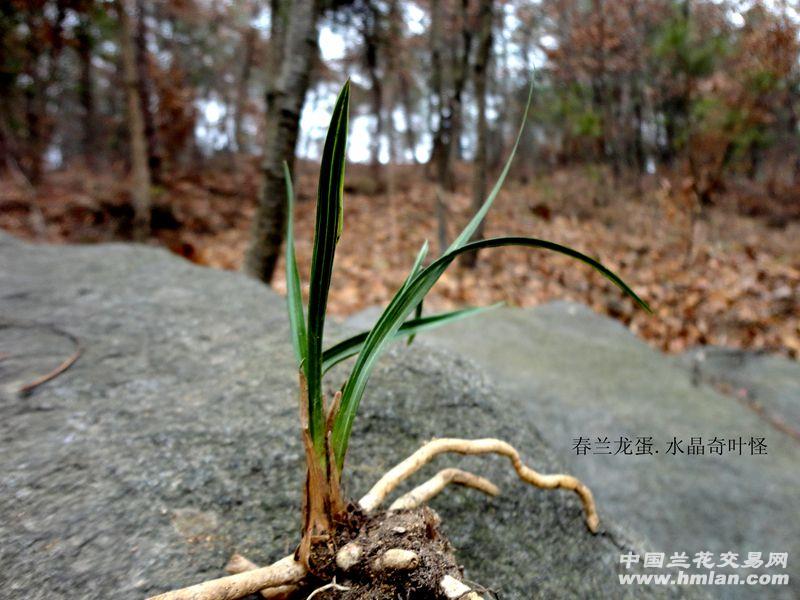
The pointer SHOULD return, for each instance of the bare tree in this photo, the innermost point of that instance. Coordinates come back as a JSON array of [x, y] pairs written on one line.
[[397, 63], [141, 54], [248, 52], [438, 157], [460, 57], [479, 74], [372, 36], [41, 80], [296, 27], [406, 85], [140, 171], [85, 46], [449, 98]]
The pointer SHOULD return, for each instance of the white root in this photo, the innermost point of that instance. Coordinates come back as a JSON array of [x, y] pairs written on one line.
[[286, 571], [281, 579], [429, 451], [240, 564], [428, 490], [328, 586], [457, 590], [396, 559], [348, 556]]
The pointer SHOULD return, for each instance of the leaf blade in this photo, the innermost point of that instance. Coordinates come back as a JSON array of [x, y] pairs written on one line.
[[417, 315], [414, 270], [405, 300], [328, 227], [352, 345], [294, 296]]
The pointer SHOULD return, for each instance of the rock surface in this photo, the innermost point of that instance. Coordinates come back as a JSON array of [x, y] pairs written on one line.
[[172, 441], [577, 374], [769, 384]]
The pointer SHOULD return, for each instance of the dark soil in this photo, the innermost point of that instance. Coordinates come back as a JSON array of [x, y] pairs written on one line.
[[416, 530]]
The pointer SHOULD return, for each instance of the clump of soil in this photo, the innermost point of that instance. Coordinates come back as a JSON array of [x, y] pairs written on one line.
[[368, 576]]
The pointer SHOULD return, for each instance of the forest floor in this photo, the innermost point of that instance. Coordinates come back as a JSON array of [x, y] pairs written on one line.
[[728, 277]]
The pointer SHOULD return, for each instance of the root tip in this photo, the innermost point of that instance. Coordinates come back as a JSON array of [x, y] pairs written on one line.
[[593, 523]]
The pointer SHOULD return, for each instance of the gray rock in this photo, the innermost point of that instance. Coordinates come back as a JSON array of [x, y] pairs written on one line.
[[173, 441], [767, 383], [577, 374]]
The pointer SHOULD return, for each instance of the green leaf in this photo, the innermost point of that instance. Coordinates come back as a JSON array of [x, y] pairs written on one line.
[[294, 296], [412, 293], [544, 244], [400, 306], [414, 270], [417, 315], [327, 230], [423, 252], [352, 345], [395, 313]]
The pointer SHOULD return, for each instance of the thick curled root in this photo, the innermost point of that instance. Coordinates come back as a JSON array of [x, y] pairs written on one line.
[[429, 451]]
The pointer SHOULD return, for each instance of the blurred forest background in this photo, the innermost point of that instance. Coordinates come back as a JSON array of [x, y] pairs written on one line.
[[663, 138]]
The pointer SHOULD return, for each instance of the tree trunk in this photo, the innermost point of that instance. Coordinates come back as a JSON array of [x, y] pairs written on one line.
[[397, 63], [677, 113], [408, 111], [600, 88], [485, 22], [638, 136], [145, 91], [448, 129], [438, 158], [140, 172], [461, 68], [639, 160], [371, 36], [34, 147], [248, 50], [284, 106], [38, 125], [85, 45]]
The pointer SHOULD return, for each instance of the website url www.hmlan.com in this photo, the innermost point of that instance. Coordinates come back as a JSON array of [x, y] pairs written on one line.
[[710, 578]]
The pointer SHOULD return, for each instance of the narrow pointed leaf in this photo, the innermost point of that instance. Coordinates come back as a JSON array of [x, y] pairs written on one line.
[[352, 345], [294, 296], [423, 252], [414, 270], [402, 304], [354, 387], [417, 315], [544, 244], [327, 230]]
